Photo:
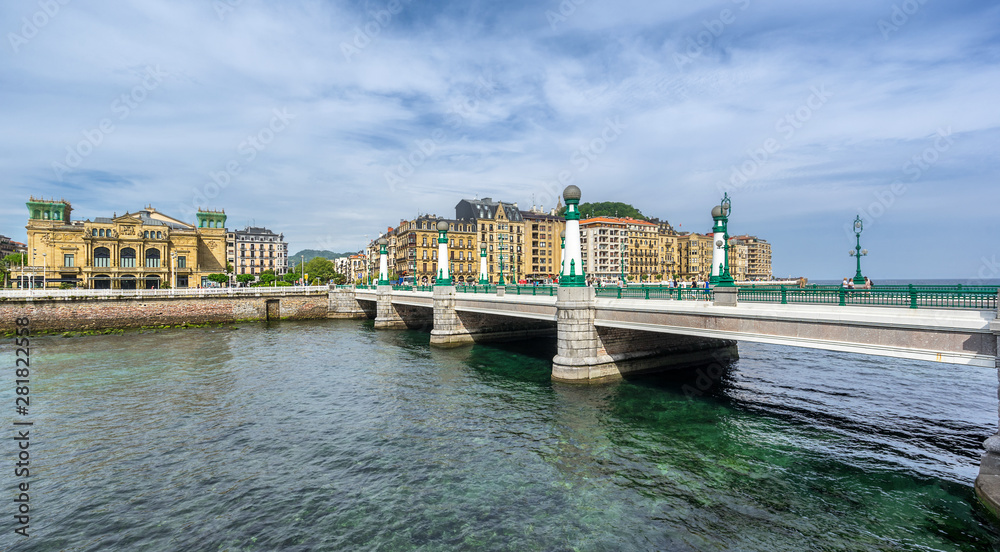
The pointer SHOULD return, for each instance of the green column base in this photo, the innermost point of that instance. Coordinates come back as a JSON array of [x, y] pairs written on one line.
[[573, 281], [442, 282]]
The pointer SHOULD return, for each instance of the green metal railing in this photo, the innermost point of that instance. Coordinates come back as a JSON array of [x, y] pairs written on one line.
[[656, 292], [909, 296], [488, 288], [549, 291], [956, 297]]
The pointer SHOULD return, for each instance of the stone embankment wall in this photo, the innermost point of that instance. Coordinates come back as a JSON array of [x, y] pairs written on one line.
[[65, 314]]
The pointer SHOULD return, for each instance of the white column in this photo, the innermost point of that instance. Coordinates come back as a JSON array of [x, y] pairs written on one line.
[[718, 253], [574, 257], [383, 267], [483, 276], [443, 259]]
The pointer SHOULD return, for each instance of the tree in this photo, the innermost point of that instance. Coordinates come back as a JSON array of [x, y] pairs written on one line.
[[339, 279], [229, 268], [320, 268], [218, 278], [245, 278], [267, 278], [9, 262]]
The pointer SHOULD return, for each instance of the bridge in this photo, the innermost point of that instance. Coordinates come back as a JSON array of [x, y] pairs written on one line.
[[950, 325], [609, 333]]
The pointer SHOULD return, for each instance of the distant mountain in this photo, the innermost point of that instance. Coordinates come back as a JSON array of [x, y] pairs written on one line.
[[311, 254]]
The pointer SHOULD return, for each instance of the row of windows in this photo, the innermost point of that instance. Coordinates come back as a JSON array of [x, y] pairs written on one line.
[[454, 268], [146, 234], [102, 258]]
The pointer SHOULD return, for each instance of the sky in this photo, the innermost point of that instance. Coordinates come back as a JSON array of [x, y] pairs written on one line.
[[330, 121]]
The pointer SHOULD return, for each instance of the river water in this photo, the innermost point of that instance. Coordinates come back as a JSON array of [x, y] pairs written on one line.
[[329, 435]]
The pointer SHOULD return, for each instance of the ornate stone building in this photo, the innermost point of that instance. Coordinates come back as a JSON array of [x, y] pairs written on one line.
[[141, 250], [416, 253], [500, 228]]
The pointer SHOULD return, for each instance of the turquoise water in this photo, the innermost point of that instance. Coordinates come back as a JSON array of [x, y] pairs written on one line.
[[332, 436]]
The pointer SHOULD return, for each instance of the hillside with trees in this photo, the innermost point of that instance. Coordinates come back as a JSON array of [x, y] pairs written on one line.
[[311, 254], [608, 209]]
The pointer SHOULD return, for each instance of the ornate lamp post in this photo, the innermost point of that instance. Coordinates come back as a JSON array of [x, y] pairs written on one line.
[[444, 277], [858, 252], [45, 268], [721, 214], [383, 263]]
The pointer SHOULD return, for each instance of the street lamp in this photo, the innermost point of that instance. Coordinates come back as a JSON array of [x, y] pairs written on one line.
[[500, 256], [721, 214], [623, 249], [45, 268], [859, 280]]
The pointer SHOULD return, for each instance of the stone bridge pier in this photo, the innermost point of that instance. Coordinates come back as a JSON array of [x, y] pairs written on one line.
[[394, 316], [590, 353], [348, 303], [344, 304], [454, 327], [988, 481]]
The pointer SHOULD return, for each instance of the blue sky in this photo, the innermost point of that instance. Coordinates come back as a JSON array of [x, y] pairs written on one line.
[[330, 121]]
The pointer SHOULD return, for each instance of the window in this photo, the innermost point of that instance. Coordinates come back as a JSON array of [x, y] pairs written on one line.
[[153, 258], [181, 262], [145, 234], [94, 231], [159, 235], [101, 233], [102, 257], [128, 258], [68, 260]]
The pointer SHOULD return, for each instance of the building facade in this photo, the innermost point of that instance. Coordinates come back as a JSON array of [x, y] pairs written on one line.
[[758, 255], [695, 256], [499, 227], [603, 242], [543, 244], [9, 247], [141, 250], [643, 251], [417, 250], [254, 250]]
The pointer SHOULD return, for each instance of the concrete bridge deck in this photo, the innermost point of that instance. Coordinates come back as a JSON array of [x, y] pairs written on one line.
[[958, 336]]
